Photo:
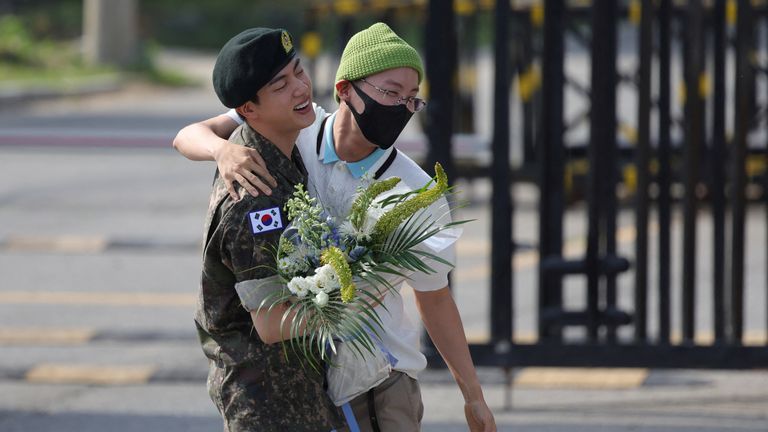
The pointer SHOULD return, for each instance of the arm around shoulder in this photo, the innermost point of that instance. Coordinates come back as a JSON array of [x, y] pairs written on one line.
[[203, 140], [207, 141]]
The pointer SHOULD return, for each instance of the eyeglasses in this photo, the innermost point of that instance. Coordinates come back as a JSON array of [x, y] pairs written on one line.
[[413, 103]]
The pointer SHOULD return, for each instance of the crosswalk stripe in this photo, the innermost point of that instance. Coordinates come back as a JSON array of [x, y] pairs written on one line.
[[752, 337], [89, 374], [66, 244], [98, 298], [45, 336], [581, 378]]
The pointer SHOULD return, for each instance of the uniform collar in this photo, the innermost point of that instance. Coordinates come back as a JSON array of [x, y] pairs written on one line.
[[357, 169]]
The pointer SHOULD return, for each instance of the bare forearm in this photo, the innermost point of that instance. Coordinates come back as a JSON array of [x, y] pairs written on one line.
[[443, 323], [270, 325], [201, 141]]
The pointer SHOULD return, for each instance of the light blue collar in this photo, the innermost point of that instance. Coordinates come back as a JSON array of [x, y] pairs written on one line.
[[357, 169]]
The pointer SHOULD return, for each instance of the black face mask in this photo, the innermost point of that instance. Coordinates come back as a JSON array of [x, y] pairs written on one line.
[[380, 124]]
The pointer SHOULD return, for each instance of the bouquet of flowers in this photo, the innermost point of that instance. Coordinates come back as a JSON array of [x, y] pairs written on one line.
[[335, 273]]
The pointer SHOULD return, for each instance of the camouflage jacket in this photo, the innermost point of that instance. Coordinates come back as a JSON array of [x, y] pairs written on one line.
[[255, 386]]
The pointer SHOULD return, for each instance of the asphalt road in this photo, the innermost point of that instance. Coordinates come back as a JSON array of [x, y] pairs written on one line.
[[99, 257]]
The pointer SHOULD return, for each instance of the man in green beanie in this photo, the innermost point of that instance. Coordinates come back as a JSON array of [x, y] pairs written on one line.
[[377, 85], [251, 381]]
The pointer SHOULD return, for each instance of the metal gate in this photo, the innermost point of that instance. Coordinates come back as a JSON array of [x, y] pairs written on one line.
[[708, 167]]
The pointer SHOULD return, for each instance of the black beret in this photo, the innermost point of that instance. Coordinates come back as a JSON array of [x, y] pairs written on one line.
[[248, 62]]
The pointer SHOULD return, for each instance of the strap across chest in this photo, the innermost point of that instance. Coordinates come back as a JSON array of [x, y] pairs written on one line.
[[379, 172]]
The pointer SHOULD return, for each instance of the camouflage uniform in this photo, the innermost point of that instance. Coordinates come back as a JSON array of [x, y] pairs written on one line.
[[254, 385]]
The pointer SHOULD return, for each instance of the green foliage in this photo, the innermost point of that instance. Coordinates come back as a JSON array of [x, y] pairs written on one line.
[[51, 19], [338, 260], [19, 47], [28, 59], [404, 210]]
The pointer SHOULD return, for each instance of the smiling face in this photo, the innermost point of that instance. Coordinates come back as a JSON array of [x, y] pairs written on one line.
[[284, 105]]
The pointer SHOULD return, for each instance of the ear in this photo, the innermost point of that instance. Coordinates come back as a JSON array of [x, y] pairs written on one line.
[[248, 110], [343, 88]]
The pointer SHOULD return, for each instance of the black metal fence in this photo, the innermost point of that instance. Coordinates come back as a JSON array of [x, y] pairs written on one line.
[[711, 169]]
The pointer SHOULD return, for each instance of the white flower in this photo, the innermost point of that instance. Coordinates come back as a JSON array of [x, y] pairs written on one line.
[[286, 265], [321, 299], [347, 229], [327, 278], [324, 280], [299, 286], [313, 284]]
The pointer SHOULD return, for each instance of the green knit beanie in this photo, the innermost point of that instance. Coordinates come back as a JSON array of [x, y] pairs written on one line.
[[374, 50]]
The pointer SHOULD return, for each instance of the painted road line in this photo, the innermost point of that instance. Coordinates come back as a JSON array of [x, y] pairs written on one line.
[[92, 244], [98, 298], [53, 373], [483, 336], [751, 337], [41, 336], [45, 336], [581, 378], [65, 244], [65, 137], [85, 374]]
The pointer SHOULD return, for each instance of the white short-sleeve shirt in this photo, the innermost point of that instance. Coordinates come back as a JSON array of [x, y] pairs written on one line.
[[335, 186]]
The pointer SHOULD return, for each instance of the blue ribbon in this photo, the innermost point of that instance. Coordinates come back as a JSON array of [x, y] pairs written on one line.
[[350, 417]]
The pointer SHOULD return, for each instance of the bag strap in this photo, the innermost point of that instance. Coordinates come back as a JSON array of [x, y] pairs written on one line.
[[372, 410], [379, 172], [320, 134]]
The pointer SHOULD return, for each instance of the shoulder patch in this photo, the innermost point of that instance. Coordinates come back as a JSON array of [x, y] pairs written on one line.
[[265, 220]]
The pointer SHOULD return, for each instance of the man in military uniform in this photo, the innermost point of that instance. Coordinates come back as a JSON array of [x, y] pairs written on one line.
[[255, 386], [377, 83]]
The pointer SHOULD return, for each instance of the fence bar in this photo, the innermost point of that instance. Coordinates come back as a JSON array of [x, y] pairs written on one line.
[[441, 70], [717, 175], [664, 176], [693, 122], [642, 160], [602, 153], [610, 179], [501, 223], [551, 163], [739, 156], [346, 31], [525, 62]]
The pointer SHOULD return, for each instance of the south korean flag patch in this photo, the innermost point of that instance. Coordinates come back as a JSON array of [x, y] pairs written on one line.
[[265, 220]]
